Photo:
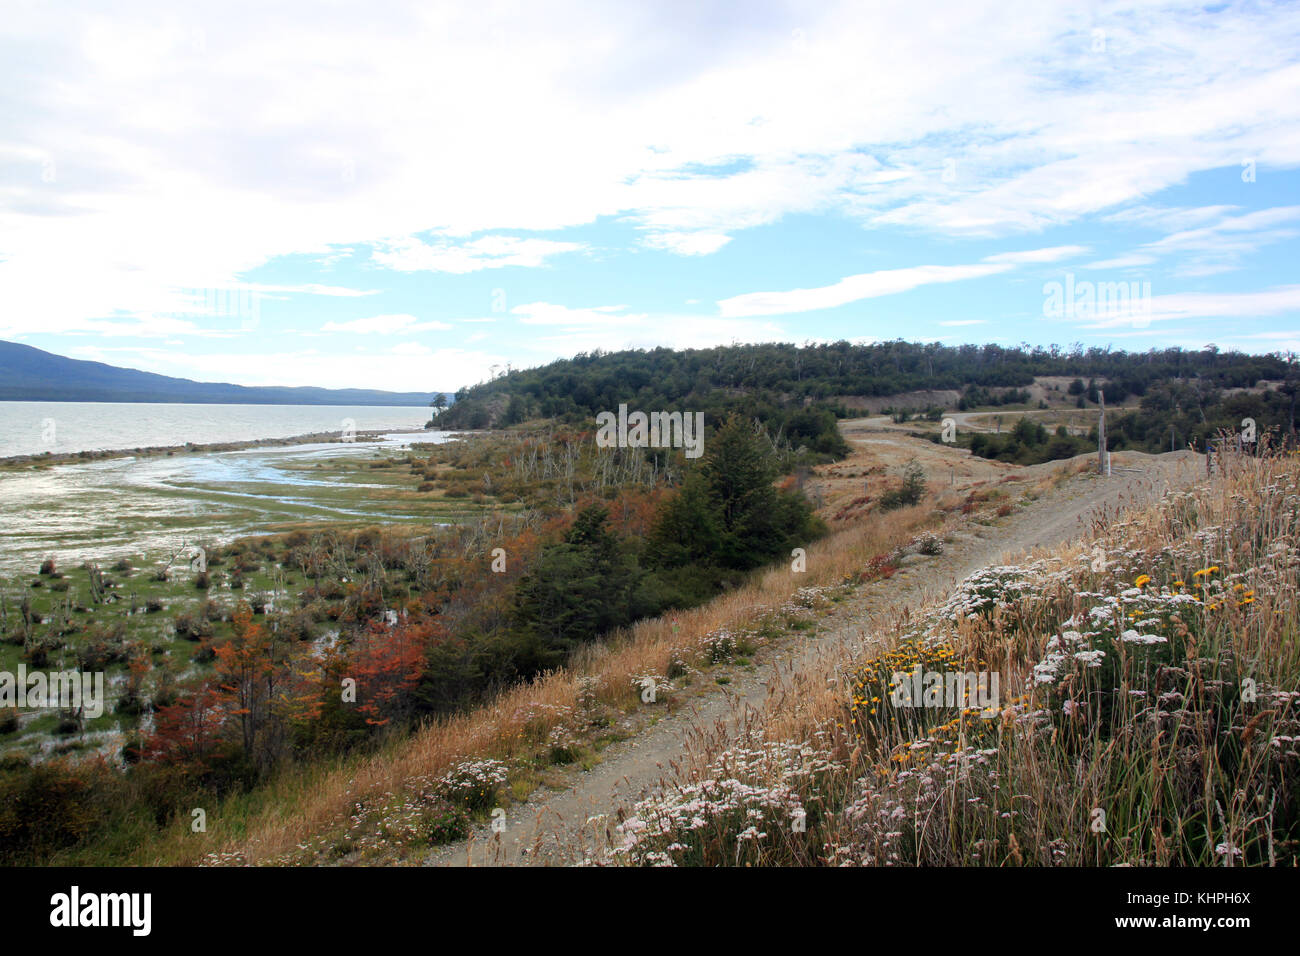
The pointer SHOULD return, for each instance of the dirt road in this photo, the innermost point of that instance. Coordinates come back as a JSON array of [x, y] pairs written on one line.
[[631, 769]]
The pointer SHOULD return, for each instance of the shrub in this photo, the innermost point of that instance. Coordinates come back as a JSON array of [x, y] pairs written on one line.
[[445, 824], [930, 544], [911, 492], [43, 809], [473, 784], [738, 812], [563, 745], [298, 626], [192, 627], [37, 653], [68, 724], [719, 646], [130, 705]]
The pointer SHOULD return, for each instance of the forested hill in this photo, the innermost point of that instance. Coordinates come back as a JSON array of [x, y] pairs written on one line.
[[795, 387], [29, 374]]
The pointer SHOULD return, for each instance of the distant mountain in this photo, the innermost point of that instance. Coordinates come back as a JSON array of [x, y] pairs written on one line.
[[31, 375]]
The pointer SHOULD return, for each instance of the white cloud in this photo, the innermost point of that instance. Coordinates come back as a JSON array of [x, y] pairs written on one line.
[[688, 243], [650, 331], [1168, 217], [1219, 246], [160, 149], [1122, 262], [1207, 240], [410, 348], [613, 328], [868, 285], [1033, 256], [385, 325], [547, 313], [1206, 305], [308, 288], [488, 252], [406, 367]]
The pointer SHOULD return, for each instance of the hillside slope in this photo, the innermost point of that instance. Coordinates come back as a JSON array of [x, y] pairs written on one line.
[[29, 374], [573, 823]]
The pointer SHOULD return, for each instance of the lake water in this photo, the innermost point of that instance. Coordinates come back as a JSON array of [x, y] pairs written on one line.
[[141, 507], [32, 428]]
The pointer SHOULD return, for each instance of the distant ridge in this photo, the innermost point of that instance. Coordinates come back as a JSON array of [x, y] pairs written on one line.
[[31, 375]]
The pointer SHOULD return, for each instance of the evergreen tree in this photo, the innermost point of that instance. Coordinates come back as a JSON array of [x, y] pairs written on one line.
[[728, 513], [578, 589]]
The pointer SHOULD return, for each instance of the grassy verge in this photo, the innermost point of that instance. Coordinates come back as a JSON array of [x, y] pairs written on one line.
[[562, 715], [1148, 714]]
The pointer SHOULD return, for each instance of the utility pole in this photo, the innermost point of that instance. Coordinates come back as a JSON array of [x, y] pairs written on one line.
[[1102, 463]]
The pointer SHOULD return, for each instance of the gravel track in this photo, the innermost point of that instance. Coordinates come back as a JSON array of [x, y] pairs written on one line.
[[552, 826]]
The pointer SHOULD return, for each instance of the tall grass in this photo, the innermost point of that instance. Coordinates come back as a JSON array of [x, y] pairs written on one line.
[[1150, 714], [297, 806]]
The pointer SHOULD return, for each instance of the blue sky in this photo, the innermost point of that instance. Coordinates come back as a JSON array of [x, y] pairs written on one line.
[[387, 195]]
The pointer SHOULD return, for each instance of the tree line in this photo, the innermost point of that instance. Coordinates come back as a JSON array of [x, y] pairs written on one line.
[[797, 391]]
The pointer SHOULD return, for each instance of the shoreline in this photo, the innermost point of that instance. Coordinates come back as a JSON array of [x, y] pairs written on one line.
[[154, 451]]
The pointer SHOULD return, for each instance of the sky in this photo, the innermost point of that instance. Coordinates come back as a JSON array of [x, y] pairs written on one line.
[[418, 196]]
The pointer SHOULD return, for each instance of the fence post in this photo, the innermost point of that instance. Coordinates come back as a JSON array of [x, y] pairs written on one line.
[[1101, 435]]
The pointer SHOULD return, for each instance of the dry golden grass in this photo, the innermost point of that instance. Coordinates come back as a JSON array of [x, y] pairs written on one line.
[[302, 803], [1194, 787]]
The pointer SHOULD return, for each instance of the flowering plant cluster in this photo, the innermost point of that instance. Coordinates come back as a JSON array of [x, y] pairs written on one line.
[[757, 798], [473, 784], [1153, 719]]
